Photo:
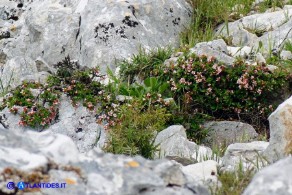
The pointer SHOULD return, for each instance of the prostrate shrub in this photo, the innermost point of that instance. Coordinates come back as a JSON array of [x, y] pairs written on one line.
[[36, 111], [132, 124], [189, 92], [85, 86], [82, 85], [241, 91]]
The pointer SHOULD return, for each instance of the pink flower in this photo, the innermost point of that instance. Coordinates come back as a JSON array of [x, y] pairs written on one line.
[[182, 80], [173, 88], [56, 102], [215, 66], [219, 70], [22, 123], [148, 95]]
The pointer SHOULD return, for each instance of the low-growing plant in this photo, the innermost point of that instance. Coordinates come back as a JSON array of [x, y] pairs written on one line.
[[36, 111], [241, 91], [81, 85], [152, 89], [264, 5], [38, 116], [135, 134], [143, 64], [287, 63], [192, 122], [84, 85], [234, 183], [208, 14]]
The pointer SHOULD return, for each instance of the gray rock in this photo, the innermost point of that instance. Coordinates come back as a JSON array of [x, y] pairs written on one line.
[[216, 48], [173, 191], [275, 39], [266, 21], [235, 33], [55, 156], [273, 29], [280, 131], [242, 52], [203, 172], [123, 98], [272, 68], [226, 132], [260, 59], [77, 185], [172, 142], [256, 2], [97, 32], [286, 55], [182, 160], [3, 121], [77, 123], [30, 150], [272, 180], [248, 155], [11, 120]]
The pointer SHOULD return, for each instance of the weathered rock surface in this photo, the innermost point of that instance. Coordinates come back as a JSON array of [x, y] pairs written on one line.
[[270, 30], [30, 150], [77, 123], [248, 155], [80, 125], [204, 172], [228, 132], [224, 54], [173, 142], [242, 52], [216, 48], [280, 131], [272, 180], [286, 55], [56, 158], [95, 32]]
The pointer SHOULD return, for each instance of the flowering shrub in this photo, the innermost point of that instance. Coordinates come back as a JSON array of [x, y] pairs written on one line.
[[203, 84], [22, 96], [36, 111], [82, 85], [85, 86], [38, 116]]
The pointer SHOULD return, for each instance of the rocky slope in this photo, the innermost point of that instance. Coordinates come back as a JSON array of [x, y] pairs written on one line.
[[34, 35]]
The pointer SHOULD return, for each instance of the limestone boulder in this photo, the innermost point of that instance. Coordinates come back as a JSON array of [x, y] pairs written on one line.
[[215, 48], [280, 132], [172, 142], [223, 133], [272, 180], [38, 34], [55, 158], [247, 155], [204, 172]]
